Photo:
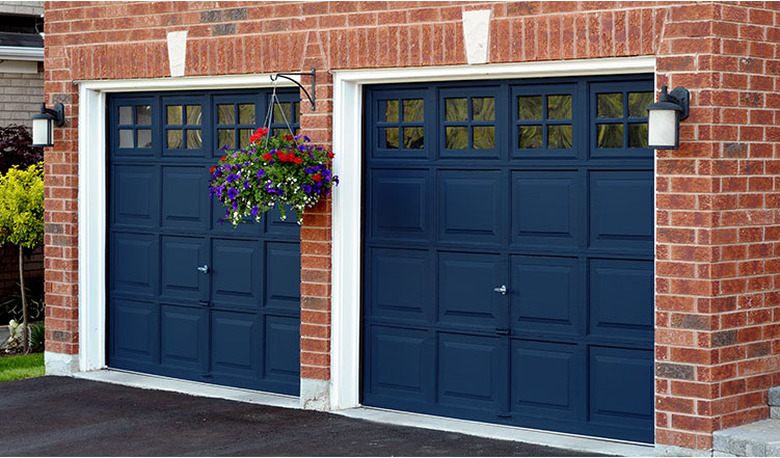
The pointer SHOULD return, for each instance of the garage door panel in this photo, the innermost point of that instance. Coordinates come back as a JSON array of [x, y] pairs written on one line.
[[548, 379], [282, 349], [471, 371], [184, 332], [282, 275], [403, 284], [405, 356], [621, 215], [471, 206], [526, 230], [135, 193], [466, 290], [547, 209], [135, 264], [237, 278], [546, 295], [184, 204], [235, 343], [234, 322], [616, 287], [402, 204], [134, 325], [621, 386], [177, 281]]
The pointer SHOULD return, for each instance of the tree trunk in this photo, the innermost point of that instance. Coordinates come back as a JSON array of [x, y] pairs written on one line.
[[25, 329]]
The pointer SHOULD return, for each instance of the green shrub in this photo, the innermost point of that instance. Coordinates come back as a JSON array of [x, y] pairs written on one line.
[[37, 337]]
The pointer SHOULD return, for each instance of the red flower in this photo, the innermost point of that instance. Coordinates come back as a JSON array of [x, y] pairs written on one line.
[[261, 131], [288, 137], [223, 158], [255, 138], [266, 157], [298, 160], [317, 177], [330, 155], [212, 169]]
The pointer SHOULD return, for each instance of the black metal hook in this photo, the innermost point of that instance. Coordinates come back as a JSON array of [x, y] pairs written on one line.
[[313, 96]]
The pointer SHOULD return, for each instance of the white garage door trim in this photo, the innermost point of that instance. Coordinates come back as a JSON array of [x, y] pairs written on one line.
[[348, 165]]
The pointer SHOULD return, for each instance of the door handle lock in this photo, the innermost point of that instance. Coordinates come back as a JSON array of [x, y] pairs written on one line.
[[204, 269], [501, 289]]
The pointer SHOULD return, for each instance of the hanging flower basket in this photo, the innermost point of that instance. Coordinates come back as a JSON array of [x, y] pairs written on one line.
[[273, 172]]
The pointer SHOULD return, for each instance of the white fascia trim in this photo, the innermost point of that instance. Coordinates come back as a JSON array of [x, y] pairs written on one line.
[[187, 83], [21, 53], [347, 215], [92, 204]]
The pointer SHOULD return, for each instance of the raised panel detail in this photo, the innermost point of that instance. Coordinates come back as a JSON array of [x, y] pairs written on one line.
[[402, 283], [466, 295], [134, 329], [184, 203], [282, 349], [135, 196], [401, 362], [545, 379], [546, 207], [399, 204], [471, 204], [546, 294], [134, 264], [283, 275], [621, 386], [184, 332], [235, 343], [471, 371], [621, 210], [237, 276], [181, 256], [621, 298]]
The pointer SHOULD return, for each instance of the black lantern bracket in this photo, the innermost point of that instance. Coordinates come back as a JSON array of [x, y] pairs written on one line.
[[679, 96], [57, 114], [311, 96]]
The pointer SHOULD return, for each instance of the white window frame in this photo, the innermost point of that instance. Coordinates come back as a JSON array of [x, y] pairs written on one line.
[[347, 276], [92, 203]]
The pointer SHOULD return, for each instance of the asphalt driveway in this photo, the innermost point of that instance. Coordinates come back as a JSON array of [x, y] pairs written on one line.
[[61, 416]]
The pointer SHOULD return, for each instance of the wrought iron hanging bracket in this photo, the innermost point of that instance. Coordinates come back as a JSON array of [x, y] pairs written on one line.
[[311, 96]]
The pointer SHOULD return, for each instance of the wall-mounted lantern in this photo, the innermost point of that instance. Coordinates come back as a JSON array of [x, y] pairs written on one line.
[[664, 118], [44, 123]]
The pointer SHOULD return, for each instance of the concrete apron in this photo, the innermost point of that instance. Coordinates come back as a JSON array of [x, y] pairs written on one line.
[[486, 430]]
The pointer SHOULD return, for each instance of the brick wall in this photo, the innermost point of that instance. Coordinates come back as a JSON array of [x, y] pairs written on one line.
[[718, 228]]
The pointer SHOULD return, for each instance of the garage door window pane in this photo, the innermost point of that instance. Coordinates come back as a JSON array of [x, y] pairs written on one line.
[[456, 109], [126, 138], [637, 135], [414, 110], [226, 114], [610, 136], [143, 115], [559, 107], [282, 113], [638, 102], [529, 107], [144, 138], [126, 115], [457, 138], [193, 114], [175, 139], [484, 137], [391, 110], [529, 137], [483, 109], [174, 115], [193, 139], [243, 138], [246, 114], [391, 138], [559, 137], [610, 105], [227, 137], [413, 138]]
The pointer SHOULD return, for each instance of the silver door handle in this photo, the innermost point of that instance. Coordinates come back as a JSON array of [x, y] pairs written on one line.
[[501, 289], [204, 268]]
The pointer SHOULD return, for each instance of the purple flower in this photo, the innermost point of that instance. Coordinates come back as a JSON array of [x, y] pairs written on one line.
[[255, 210], [306, 188], [270, 189], [246, 184], [231, 178], [232, 194], [260, 173]]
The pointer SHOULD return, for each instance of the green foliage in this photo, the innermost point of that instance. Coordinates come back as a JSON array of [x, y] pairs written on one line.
[[19, 367], [37, 336], [21, 206], [11, 305]]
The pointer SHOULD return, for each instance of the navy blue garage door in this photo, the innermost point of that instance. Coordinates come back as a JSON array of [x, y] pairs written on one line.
[[508, 249], [190, 297]]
